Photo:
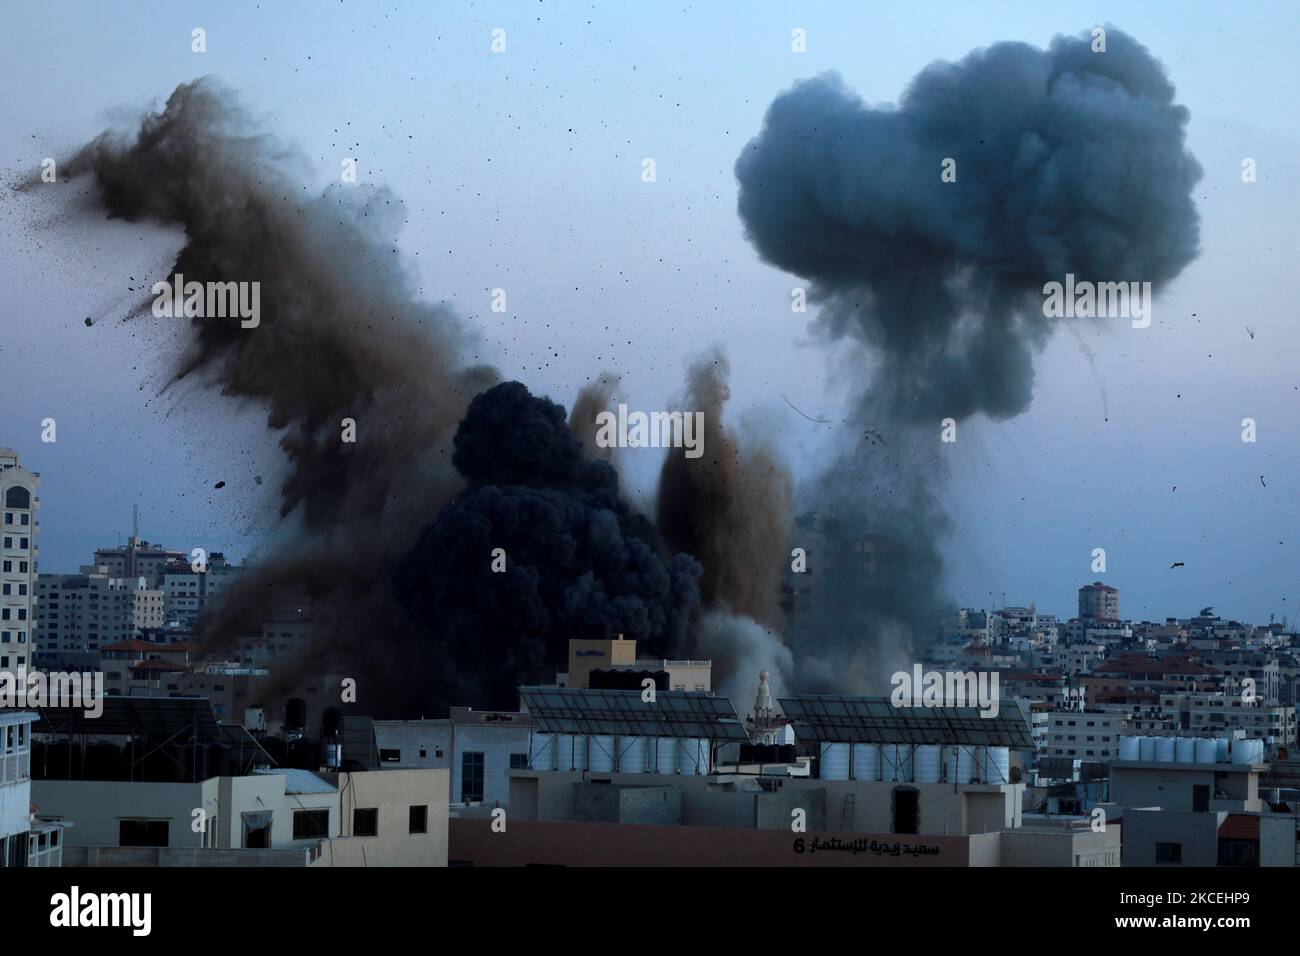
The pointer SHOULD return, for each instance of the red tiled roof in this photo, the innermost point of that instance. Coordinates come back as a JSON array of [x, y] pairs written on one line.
[[156, 666], [1239, 826], [149, 646]]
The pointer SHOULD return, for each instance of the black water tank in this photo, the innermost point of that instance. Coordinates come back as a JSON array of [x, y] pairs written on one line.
[[295, 714]]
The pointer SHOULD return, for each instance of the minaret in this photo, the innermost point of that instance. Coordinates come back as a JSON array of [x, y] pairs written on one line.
[[763, 727]]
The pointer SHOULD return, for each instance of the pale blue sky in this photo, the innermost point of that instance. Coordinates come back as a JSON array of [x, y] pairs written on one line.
[[521, 171]]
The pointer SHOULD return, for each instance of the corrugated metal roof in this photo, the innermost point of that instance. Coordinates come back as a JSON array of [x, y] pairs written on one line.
[[17, 717], [300, 781]]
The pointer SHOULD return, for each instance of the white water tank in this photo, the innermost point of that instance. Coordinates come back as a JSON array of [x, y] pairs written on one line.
[[866, 762], [928, 763], [1165, 749], [1205, 749], [695, 755], [1220, 749], [1147, 746], [632, 754], [600, 753], [995, 765], [665, 754], [1185, 749], [567, 756], [1247, 751], [1130, 748], [543, 756], [896, 762], [967, 764], [834, 761]]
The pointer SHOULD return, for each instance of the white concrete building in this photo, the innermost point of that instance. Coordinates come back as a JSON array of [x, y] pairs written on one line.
[[86, 612], [23, 842], [18, 561], [1088, 735], [272, 817]]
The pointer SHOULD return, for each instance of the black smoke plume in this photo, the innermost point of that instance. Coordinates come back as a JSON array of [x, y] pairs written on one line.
[[406, 604], [1067, 161], [574, 558]]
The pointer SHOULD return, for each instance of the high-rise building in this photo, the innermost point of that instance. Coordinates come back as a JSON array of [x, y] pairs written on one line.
[[17, 562], [139, 559], [187, 591], [1098, 602], [85, 612]]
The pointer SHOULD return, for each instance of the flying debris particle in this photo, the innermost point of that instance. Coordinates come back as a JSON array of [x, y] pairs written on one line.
[[1251, 331], [820, 421], [1261, 481], [219, 484], [257, 479], [89, 322], [1176, 564]]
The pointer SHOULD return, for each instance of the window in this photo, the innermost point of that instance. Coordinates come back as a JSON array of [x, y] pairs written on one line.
[[142, 832], [310, 824], [390, 756], [9, 517], [519, 761], [471, 777], [365, 822], [257, 831], [18, 498], [1169, 853], [419, 820]]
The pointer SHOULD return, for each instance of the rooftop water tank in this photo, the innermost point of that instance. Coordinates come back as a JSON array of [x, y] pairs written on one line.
[[695, 755], [834, 762], [1185, 749], [665, 754], [896, 762], [600, 753], [928, 763], [1147, 746], [1205, 750], [866, 762], [543, 756], [632, 753], [995, 765], [1165, 749], [1130, 748]]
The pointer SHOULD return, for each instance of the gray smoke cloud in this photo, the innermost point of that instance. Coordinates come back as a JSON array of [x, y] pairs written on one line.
[[740, 648], [1067, 161]]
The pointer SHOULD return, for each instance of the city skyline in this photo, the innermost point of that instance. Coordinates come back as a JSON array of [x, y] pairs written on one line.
[[1139, 438]]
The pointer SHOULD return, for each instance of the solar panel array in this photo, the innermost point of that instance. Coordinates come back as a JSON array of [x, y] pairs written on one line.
[[874, 720], [570, 710], [159, 718]]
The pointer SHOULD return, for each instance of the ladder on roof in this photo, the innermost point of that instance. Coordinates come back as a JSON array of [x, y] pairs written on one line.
[[846, 817]]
